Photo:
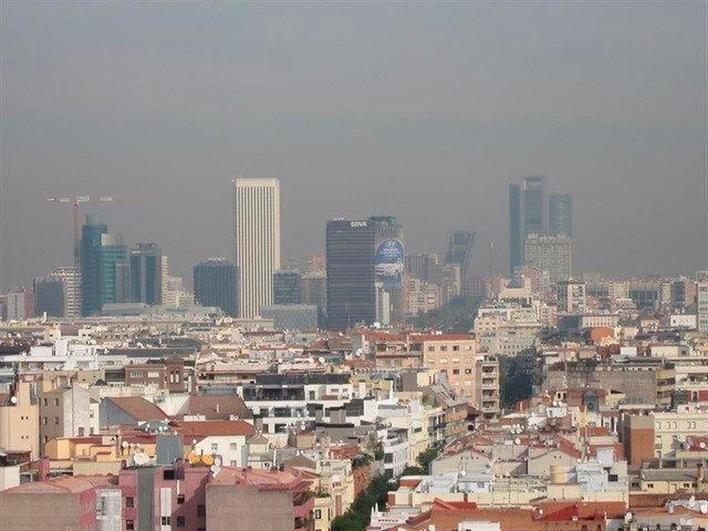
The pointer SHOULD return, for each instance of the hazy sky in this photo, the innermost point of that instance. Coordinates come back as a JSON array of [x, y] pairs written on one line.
[[423, 111]]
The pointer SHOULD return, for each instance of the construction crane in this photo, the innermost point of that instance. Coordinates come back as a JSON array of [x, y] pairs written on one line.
[[75, 201]]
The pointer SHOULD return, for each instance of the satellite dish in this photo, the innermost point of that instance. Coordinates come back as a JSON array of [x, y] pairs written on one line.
[[517, 441], [702, 444], [321, 360], [217, 460], [13, 400], [140, 459], [124, 444], [214, 469]]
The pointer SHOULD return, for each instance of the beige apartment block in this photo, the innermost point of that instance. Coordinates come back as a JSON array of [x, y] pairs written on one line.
[[19, 420]]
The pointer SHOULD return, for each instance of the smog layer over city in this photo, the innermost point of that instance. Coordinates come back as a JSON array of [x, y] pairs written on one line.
[[354, 266]]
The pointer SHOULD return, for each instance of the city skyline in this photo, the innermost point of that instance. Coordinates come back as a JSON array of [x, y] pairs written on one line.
[[353, 266], [608, 135]]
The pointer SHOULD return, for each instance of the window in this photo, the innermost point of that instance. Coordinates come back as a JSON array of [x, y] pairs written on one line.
[[129, 501], [166, 520], [318, 514], [45, 401], [180, 499], [443, 348], [168, 474], [130, 525], [455, 371], [56, 420], [214, 447], [56, 401], [201, 510], [456, 348], [180, 521], [233, 446]]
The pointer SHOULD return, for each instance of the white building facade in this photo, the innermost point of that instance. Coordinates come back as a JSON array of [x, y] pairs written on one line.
[[256, 242]]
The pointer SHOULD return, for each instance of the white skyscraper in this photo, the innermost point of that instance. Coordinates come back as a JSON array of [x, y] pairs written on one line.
[[71, 277], [256, 242]]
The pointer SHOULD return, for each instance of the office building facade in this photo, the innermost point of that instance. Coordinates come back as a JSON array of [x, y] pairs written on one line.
[[560, 214], [91, 234], [459, 252], [389, 265], [314, 291], [216, 284], [423, 266], [516, 240], [351, 274], [18, 304], [71, 279], [48, 294], [534, 204], [551, 253], [302, 317], [287, 286], [146, 274], [113, 270], [256, 241], [531, 212]]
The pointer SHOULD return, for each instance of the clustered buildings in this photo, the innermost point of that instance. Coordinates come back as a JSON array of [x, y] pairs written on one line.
[[275, 397]]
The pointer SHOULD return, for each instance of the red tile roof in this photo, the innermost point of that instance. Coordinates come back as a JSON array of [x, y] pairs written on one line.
[[138, 408], [561, 511], [63, 485], [214, 428], [287, 479], [215, 407]]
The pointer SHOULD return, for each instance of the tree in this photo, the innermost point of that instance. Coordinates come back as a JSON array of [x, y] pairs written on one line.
[[456, 316], [517, 376], [358, 516]]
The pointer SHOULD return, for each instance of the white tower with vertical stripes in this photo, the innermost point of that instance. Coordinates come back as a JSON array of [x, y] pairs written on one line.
[[256, 242]]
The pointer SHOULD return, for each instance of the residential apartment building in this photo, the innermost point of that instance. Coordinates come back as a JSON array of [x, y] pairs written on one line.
[[64, 409], [455, 357], [19, 419], [648, 381], [673, 428]]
